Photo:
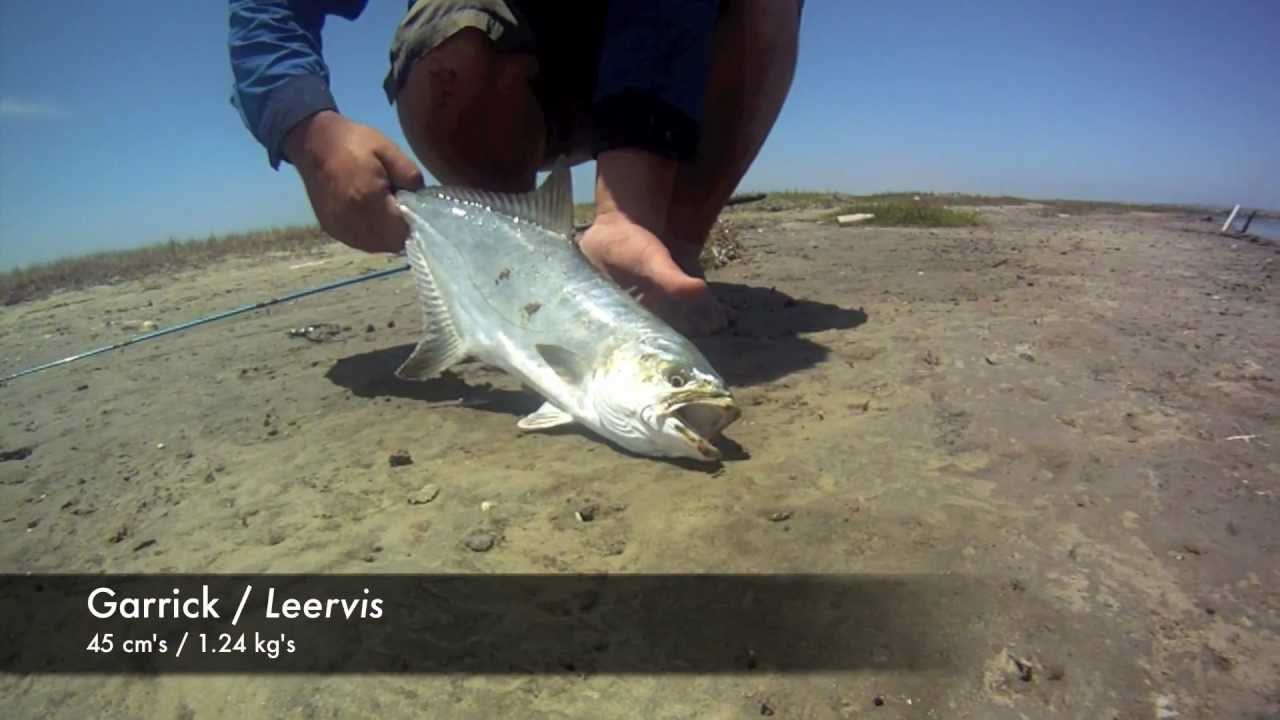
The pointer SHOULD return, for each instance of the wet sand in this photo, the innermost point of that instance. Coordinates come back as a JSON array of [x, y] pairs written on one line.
[[1073, 420]]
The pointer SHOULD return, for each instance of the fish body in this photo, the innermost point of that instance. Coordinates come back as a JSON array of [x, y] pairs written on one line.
[[501, 280]]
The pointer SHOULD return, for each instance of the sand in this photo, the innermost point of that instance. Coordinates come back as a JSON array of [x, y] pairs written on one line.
[[1074, 420]]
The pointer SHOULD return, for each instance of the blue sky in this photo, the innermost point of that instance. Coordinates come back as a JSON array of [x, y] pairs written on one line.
[[116, 130]]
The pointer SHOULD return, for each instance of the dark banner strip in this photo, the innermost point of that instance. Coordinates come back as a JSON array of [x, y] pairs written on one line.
[[130, 624]]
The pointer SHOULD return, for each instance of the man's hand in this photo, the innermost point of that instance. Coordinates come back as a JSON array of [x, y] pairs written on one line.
[[351, 173], [633, 192]]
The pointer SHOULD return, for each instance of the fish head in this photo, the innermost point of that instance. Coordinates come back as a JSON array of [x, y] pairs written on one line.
[[663, 398]]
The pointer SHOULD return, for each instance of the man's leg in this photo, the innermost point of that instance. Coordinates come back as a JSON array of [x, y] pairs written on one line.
[[469, 114], [752, 66], [756, 46], [753, 62]]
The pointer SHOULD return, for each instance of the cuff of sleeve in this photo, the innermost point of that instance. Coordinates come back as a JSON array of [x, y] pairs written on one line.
[[296, 100], [636, 119]]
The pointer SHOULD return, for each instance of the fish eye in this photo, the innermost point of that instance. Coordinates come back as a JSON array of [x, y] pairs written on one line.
[[676, 380]]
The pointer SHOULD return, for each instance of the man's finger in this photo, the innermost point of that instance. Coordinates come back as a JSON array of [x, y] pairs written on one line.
[[391, 229], [401, 171]]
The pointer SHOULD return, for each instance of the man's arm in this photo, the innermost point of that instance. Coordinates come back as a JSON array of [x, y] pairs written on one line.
[[276, 59], [282, 92]]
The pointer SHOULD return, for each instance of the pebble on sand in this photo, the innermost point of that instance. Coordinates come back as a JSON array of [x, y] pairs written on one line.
[[400, 458], [425, 495], [320, 332], [479, 541]]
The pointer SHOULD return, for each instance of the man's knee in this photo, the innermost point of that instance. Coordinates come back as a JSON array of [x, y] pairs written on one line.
[[764, 26], [469, 114], [439, 91]]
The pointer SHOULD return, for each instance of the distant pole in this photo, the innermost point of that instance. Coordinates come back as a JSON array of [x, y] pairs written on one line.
[[1247, 222], [1227, 225]]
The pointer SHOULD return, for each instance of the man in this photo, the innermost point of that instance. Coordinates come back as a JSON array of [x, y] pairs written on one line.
[[673, 99]]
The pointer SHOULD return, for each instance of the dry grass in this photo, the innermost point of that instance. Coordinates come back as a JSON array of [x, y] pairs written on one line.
[[723, 246], [1090, 207], [909, 213], [795, 200], [37, 281], [583, 213]]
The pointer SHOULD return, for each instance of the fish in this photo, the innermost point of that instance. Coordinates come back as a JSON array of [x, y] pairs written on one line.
[[501, 280]]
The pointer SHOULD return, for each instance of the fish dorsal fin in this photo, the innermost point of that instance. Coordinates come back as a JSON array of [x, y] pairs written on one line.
[[550, 206], [546, 417], [441, 346], [568, 364]]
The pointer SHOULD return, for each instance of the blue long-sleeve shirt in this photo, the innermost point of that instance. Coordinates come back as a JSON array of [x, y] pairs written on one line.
[[280, 77], [649, 92]]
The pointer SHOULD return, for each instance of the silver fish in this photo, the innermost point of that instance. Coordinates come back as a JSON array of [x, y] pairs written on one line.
[[501, 281]]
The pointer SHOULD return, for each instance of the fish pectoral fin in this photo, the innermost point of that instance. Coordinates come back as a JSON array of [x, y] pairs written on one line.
[[569, 365], [545, 417], [442, 346]]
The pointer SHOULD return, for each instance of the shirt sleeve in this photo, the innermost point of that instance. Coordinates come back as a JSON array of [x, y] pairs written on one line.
[[652, 76], [278, 69]]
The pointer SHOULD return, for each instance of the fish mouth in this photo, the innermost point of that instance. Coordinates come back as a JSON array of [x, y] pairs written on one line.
[[700, 418]]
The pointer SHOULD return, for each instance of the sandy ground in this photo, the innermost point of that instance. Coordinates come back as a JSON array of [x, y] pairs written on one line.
[[1076, 419]]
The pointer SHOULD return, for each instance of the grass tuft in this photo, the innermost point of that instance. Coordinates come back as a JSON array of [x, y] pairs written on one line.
[[907, 213]]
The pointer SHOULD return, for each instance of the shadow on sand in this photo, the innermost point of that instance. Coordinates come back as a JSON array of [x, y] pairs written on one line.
[[763, 344], [373, 375]]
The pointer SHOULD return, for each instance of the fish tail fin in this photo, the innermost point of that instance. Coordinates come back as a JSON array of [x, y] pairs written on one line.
[[442, 346]]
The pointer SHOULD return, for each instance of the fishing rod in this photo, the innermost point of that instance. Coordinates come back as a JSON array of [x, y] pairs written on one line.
[[208, 319]]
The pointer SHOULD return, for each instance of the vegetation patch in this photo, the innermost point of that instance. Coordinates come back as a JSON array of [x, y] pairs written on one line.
[[103, 268], [908, 213]]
